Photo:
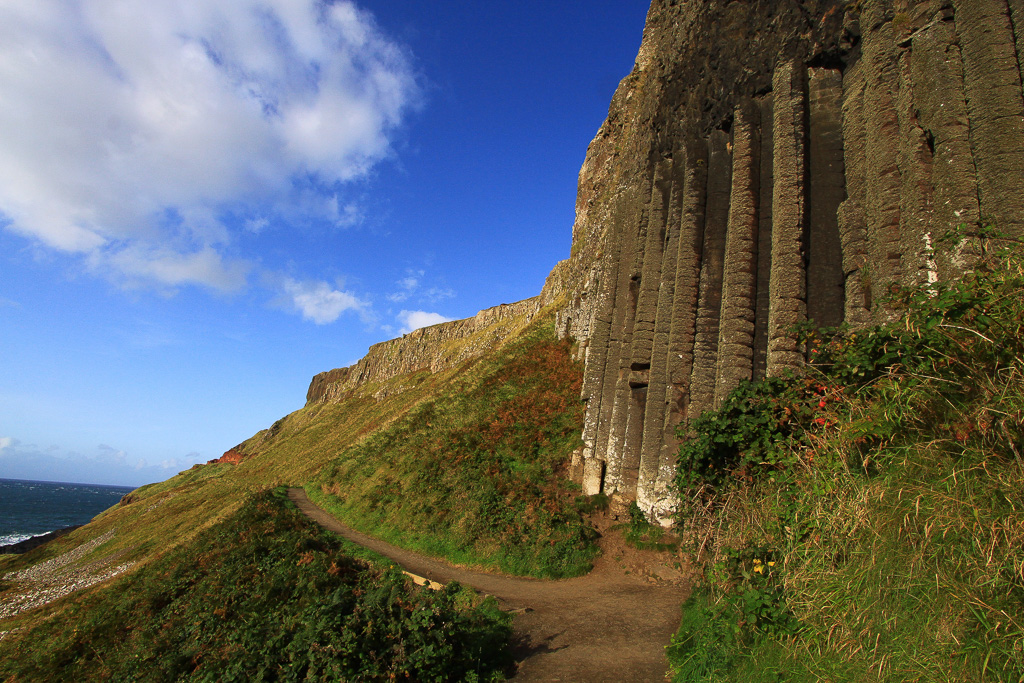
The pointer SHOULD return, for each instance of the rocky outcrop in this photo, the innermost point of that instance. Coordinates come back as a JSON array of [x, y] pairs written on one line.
[[231, 456], [435, 348], [764, 165]]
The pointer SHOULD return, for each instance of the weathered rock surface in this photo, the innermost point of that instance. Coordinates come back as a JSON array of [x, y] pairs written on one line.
[[764, 164], [767, 164]]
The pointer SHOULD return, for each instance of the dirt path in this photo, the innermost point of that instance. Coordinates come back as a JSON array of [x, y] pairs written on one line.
[[610, 625]]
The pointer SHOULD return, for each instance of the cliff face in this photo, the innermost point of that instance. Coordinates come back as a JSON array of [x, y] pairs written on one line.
[[768, 163], [434, 348]]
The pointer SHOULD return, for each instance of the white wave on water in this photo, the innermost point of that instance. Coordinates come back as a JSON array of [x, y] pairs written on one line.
[[10, 539]]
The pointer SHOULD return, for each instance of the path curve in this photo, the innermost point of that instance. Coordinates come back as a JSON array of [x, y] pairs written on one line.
[[606, 626]]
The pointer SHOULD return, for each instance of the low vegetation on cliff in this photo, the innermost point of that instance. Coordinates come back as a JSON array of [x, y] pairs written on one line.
[[476, 473], [863, 520], [264, 595]]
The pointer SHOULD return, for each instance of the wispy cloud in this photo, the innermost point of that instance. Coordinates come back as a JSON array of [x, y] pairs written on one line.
[[104, 464], [406, 286], [319, 302], [132, 127], [413, 320]]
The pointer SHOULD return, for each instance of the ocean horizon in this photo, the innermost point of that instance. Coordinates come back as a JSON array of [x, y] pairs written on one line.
[[30, 508]]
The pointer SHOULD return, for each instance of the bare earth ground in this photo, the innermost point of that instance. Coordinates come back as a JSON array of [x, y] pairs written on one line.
[[610, 625]]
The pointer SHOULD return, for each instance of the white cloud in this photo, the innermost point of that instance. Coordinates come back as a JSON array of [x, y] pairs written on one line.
[[129, 128], [104, 465], [413, 320], [319, 302]]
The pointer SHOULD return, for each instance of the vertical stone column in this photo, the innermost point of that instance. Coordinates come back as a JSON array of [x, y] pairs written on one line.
[[659, 390], [936, 76], [882, 181], [635, 206], [852, 218], [788, 283], [709, 309], [685, 299], [643, 329], [624, 226], [827, 182], [596, 364], [764, 237], [739, 277], [995, 104]]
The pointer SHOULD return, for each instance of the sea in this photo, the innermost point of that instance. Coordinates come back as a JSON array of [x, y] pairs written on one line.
[[33, 508]]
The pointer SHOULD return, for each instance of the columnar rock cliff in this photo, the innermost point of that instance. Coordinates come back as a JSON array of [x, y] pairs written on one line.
[[766, 163]]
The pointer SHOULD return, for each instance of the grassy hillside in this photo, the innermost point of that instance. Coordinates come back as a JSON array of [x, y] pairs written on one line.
[[263, 595], [495, 446], [864, 520], [476, 472]]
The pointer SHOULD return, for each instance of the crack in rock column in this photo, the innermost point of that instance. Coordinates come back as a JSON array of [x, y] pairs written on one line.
[[826, 191], [764, 238]]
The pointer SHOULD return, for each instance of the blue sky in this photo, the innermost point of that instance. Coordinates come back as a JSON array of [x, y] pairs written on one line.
[[204, 204]]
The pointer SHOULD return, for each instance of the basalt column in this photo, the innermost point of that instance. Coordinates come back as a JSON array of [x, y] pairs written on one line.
[[624, 231], [939, 103], [643, 331], [882, 182], [788, 282], [682, 328], [659, 394], [851, 215], [709, 307], [739, 280], [636, 208]]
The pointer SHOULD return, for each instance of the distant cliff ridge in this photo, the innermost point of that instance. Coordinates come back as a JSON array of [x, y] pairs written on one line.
[[435, 348], [764, 164]]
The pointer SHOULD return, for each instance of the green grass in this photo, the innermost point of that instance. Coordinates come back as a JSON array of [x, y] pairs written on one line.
[[264, 594], [476, 473], [885, 486]]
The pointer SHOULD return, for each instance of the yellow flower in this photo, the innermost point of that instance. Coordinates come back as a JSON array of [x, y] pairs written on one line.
[[759, 568], [771, 564]]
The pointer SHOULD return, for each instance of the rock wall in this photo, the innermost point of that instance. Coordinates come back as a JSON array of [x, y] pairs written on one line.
[[435, 348], [766, 164]]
